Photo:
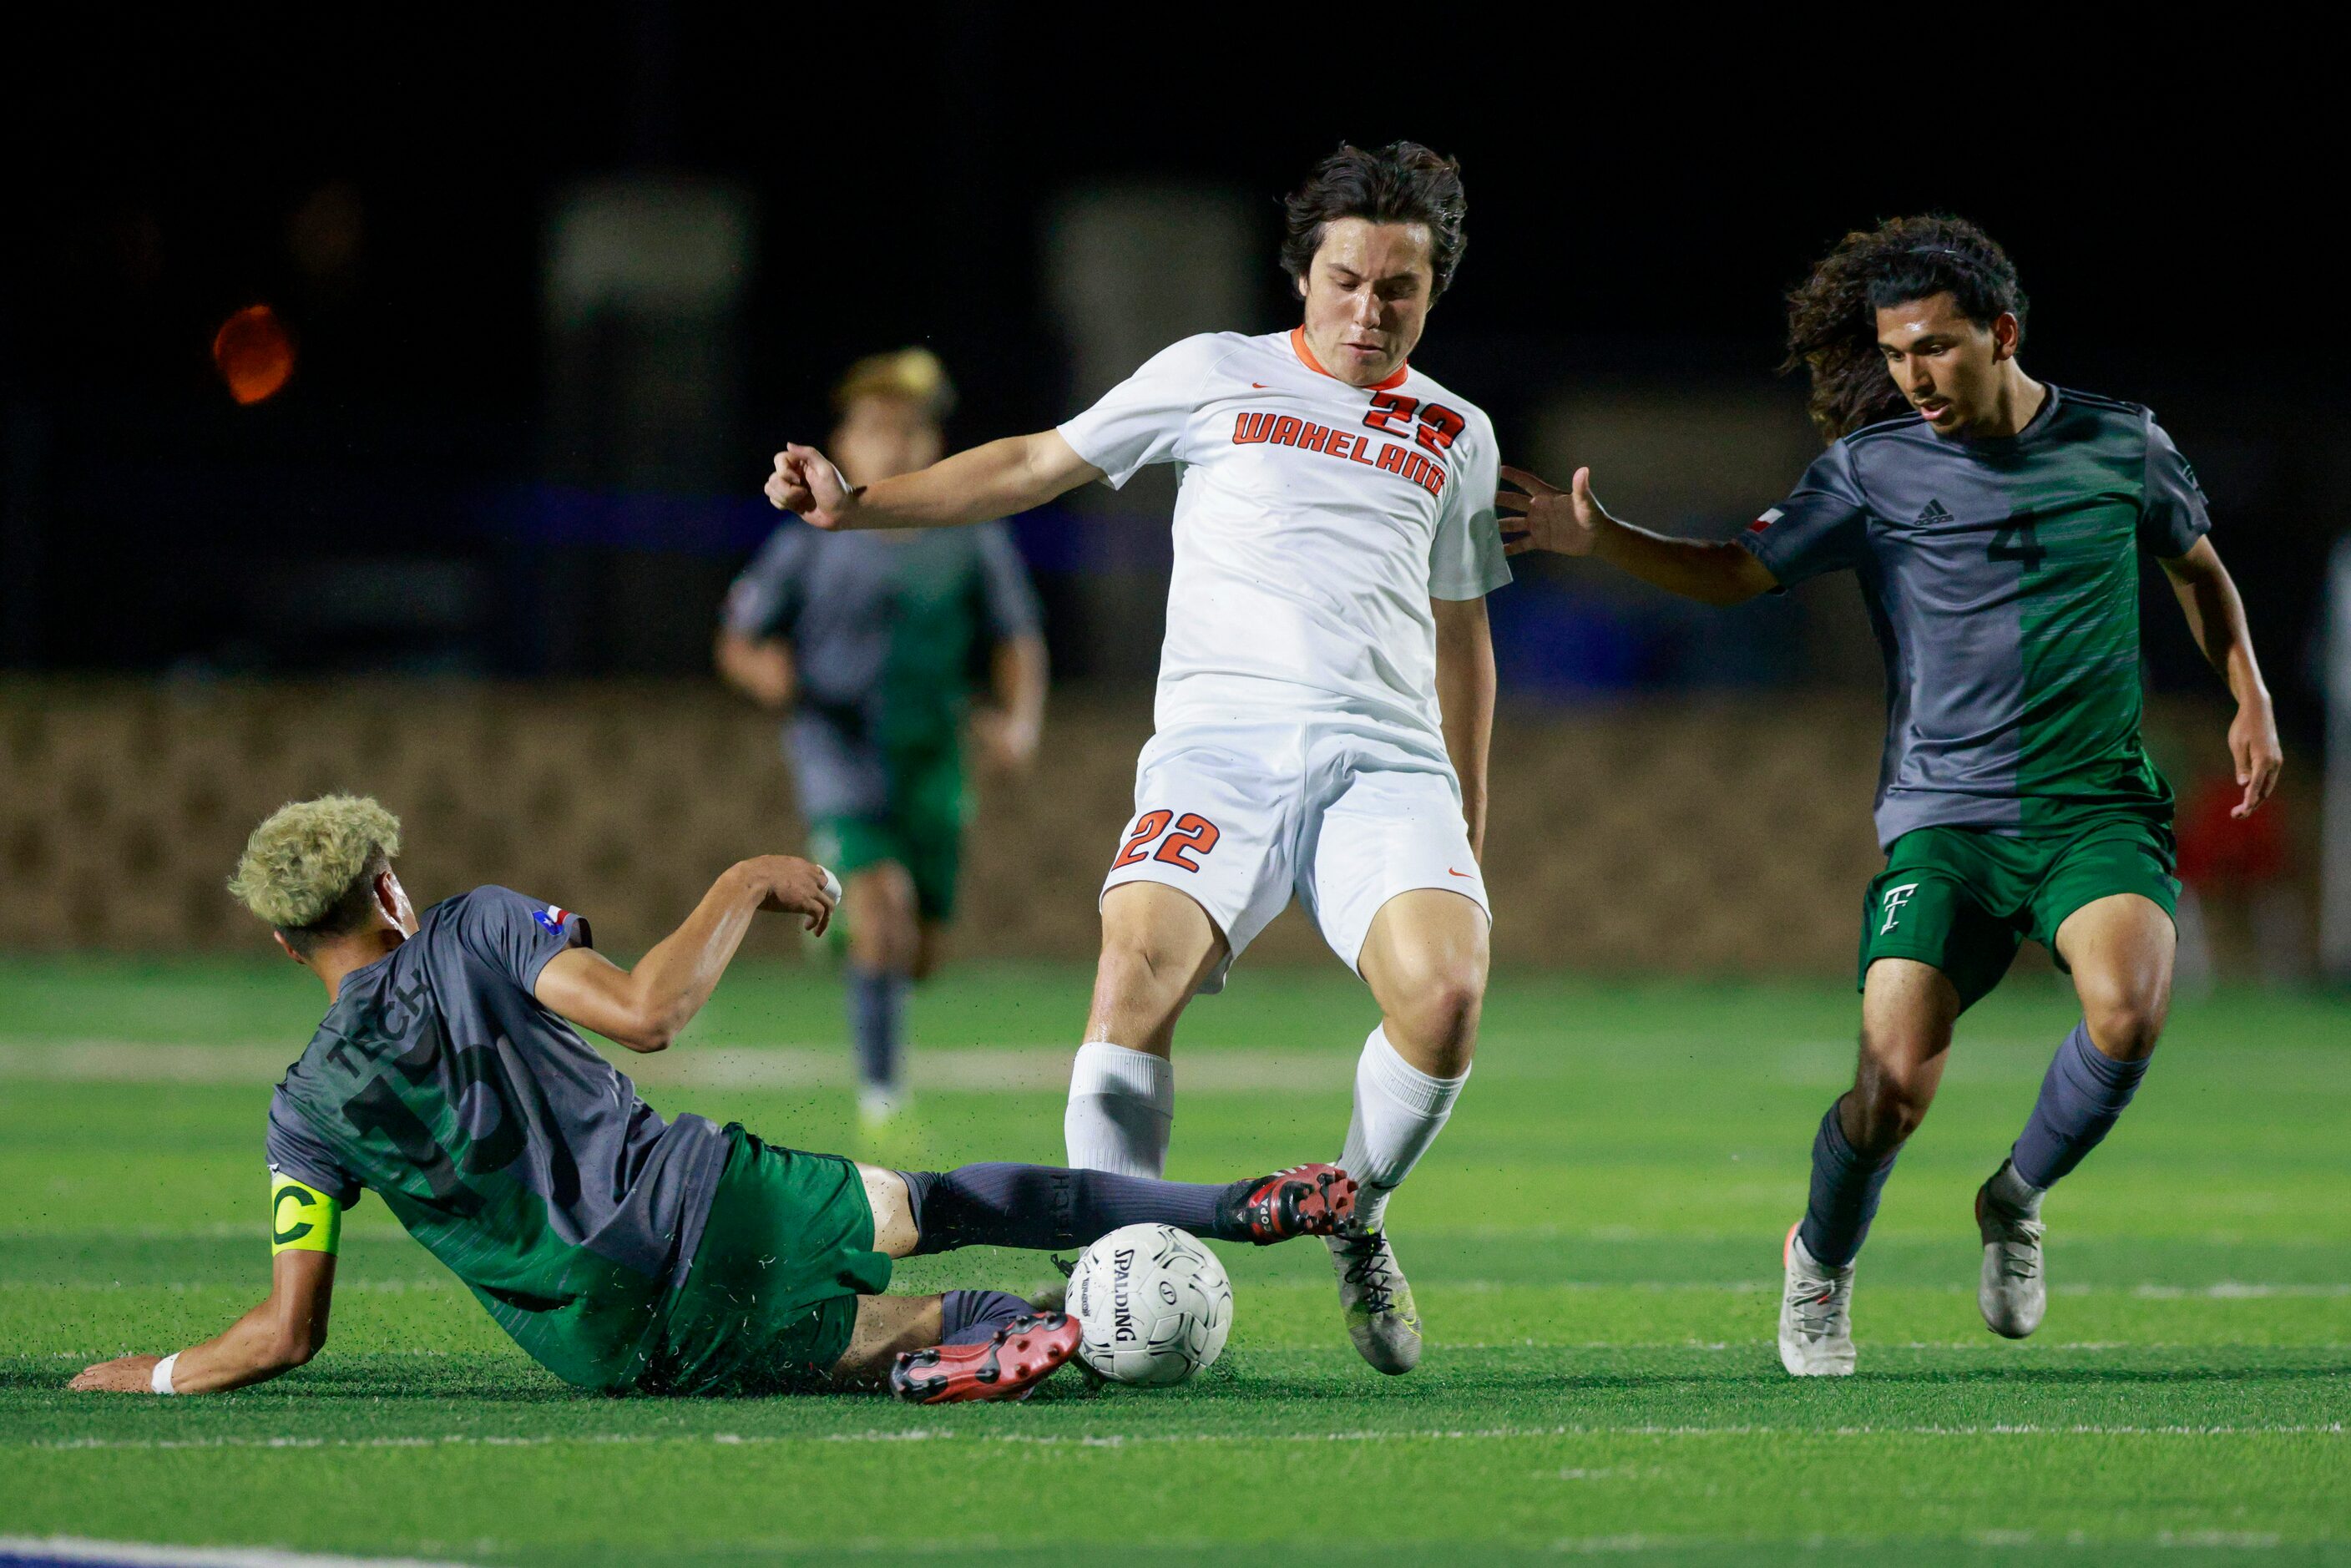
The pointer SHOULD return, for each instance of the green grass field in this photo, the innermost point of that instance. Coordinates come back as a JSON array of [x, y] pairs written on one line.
[[1595, 1243]]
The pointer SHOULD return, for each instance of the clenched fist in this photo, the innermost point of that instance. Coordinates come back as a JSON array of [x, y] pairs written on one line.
[[806, 482]]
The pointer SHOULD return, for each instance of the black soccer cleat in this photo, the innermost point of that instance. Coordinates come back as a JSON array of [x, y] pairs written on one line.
[[1304, 1201], [1008, 1364]]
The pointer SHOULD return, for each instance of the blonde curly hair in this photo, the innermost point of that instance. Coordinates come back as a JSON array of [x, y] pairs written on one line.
[[914, 375], [307, 868]]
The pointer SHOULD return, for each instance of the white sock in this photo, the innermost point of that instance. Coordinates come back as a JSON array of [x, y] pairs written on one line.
[[1399, 1111], [1121, 1105]]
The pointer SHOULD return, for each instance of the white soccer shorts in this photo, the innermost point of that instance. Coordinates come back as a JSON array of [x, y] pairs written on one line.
[[1240, 818]]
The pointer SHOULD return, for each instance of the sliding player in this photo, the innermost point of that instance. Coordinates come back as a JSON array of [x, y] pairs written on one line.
[[1996, 527], [868, 642], [1326, 690], [624, 1253]]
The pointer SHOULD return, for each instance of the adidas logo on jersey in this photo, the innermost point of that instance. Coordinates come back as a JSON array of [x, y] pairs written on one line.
[[1936, 512]]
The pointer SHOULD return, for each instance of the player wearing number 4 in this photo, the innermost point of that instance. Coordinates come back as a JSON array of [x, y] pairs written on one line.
[[626, 1254], [1326, 690], [1995, 523]]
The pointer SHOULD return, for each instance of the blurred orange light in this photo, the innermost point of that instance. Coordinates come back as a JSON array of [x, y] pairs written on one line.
[[254, 352]]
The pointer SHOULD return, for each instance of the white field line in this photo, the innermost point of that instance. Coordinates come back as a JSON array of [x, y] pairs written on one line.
[[1212, 1439], [1009, 1068], [2227, 1291], [137, 1555], [445, 1284], [1740, 1347]]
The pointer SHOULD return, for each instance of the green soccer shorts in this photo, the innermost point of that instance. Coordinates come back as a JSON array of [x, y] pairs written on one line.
[[771, 1300], [1964, 899], [922, 829]]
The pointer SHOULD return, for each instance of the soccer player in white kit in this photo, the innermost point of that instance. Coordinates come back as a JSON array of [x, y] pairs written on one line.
[[1326, 688]]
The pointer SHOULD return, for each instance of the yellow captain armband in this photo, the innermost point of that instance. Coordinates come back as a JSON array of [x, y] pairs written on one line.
[[301, 1218]]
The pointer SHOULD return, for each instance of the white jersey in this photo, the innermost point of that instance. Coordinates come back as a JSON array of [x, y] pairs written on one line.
[[1314, 522]]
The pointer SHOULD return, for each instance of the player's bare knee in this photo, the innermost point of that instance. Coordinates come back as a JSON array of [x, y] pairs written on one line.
[[884, 933], [1882, 1114], [2123, 1027], [1140, 964], [1437, 1019], [1140, 990], [1891, 1092], [881, 941]]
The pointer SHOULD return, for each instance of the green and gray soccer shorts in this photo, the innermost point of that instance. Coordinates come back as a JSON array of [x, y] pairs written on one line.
[[770, 1303], [922, 829], [1965, 899]]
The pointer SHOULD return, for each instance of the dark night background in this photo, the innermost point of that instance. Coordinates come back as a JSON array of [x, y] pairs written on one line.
[[1635, 213]]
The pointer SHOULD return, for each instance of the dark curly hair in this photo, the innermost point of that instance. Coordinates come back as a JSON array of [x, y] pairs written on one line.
[[1402, 183], [1833, 314]]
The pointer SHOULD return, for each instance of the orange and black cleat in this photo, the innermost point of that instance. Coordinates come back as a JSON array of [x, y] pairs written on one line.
[[1304, 1201], [1008, 1364]]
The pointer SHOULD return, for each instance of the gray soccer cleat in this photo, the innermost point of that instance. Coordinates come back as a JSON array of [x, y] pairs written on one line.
[[2011, 1292], [1815, 1313], [1381, 1317]]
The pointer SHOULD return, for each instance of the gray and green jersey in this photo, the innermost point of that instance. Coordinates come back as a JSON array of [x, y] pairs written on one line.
[[516, 1155], [2003, 578], [885, 628]]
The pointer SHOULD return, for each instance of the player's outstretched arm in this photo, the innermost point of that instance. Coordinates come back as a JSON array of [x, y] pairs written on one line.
[[646, 1008], [1542, 516], [987, 482], [2207, 596], [1465, 702], [280, 1334]]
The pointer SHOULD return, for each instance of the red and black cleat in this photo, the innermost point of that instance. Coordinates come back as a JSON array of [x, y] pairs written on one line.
[[1009, 1365], [1304, 1201]]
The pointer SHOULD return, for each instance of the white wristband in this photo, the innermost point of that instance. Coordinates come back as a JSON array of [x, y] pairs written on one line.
[[160, 1382]]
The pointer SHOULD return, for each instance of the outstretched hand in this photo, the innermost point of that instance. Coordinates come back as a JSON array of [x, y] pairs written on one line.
[[123, 1375], [806, 482], [2254, 742], [1546, 517]]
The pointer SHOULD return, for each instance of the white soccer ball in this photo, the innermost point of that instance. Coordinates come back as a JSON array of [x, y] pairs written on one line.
[[1152, 1304]]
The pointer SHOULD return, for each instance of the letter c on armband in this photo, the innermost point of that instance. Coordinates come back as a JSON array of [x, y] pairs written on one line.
[[302, 1220]]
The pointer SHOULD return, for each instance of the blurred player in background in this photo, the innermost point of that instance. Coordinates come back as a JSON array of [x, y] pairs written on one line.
[[1996, 523], [626, 1254], [1326, 688], [869, 642]]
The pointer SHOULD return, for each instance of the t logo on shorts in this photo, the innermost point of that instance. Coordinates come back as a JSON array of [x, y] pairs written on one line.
[[1896, 897]]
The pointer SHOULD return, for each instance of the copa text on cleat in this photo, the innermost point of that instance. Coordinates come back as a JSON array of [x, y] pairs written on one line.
[[1304, 1201], [1008, 1364]]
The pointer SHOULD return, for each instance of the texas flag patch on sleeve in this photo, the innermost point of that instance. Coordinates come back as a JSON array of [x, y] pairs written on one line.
[[552, 917]]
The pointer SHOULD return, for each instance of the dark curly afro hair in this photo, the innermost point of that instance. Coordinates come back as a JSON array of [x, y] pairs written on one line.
[[1833, 314]]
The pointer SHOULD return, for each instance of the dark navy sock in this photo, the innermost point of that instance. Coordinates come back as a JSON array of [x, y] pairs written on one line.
[[2081, 1096], [1845, 1189], [1044, 1207], [967, 1317], [877, 1011]]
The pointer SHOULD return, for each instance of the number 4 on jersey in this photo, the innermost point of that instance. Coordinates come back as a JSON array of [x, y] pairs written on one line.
[[2015, 540], [1194, 834]]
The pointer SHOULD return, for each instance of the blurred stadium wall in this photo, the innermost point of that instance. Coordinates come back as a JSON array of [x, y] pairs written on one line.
[[1685, 835]]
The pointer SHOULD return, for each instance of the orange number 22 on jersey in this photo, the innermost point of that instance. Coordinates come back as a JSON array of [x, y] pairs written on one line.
[[1194, 834]]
